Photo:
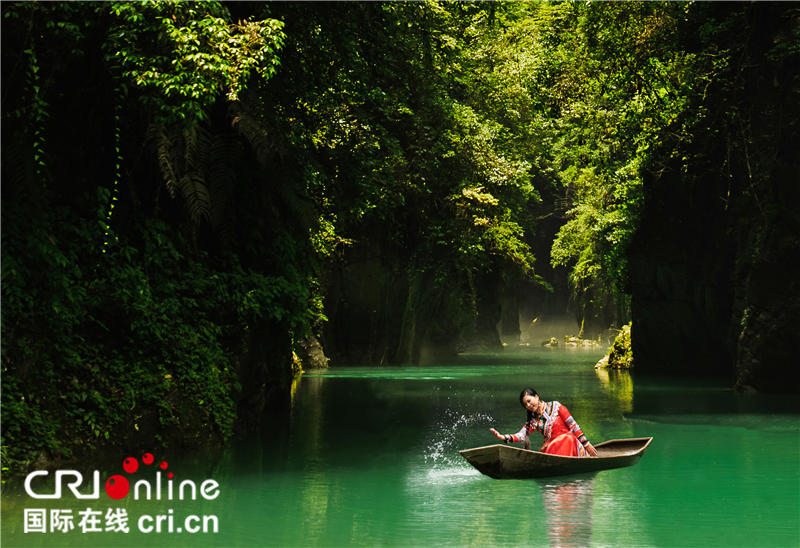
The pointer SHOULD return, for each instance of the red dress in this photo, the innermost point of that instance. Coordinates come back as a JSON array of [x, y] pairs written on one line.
[[562, 435]]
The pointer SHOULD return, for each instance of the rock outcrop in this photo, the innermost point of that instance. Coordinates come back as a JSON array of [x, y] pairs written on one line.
[[620, 355]]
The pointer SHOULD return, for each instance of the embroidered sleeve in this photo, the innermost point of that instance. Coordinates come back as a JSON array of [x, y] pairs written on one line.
[[563, 412], [518, 437]]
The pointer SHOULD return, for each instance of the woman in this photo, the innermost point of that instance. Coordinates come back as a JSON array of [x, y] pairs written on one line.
[[562, 435]]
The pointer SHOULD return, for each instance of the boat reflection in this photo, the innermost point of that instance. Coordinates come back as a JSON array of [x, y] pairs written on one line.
[[568, 505]]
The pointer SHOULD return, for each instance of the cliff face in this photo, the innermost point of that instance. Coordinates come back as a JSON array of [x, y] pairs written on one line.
[[716, 263], [682, 286], [768, 293], [715, 292]]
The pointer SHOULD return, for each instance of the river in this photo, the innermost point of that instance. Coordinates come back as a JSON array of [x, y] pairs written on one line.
[[369, 457]]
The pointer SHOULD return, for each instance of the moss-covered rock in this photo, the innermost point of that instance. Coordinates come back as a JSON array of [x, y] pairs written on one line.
[[309, 355], [620, 356]]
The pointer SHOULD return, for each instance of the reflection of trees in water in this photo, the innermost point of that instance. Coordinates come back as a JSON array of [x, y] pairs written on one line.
[[568, 506], [307, 413], [619, 385]]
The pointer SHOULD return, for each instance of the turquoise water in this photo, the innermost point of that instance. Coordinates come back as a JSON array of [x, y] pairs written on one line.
[[369, 457]]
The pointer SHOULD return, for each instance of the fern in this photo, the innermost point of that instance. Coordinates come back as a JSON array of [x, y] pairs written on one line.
[[252, 128], [249, 121], [202, 170], [164, 155], [195, 193], [183, 159]]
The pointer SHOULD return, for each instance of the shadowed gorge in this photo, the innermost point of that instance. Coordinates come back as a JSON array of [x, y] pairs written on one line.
[[202, 200]]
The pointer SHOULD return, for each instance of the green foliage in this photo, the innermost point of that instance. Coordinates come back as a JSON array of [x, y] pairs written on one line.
[[91, 338], [620, 85], [386, 146], [628, 96], [183, 55]]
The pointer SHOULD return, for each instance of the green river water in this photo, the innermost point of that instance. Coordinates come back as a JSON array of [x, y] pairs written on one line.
[[369, 457]]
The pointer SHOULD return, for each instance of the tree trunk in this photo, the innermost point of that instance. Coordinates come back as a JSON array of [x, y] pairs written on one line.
[[408, 329]]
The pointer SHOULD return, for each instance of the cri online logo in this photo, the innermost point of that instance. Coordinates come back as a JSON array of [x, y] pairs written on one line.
[[117, 486]]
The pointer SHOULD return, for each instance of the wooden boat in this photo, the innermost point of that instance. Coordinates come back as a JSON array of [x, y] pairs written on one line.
[[508, 462]]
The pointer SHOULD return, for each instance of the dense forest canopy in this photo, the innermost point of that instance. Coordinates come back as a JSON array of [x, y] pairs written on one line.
[[190, 190]]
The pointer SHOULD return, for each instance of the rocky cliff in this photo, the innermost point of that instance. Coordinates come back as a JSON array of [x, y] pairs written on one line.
[[716, 262]]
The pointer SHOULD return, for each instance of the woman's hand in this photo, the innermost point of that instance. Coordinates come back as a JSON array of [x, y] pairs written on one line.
[[497, 434], [590, 449]]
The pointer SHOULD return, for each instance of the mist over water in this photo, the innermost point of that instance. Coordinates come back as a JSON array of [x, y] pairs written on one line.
[[369, 457]]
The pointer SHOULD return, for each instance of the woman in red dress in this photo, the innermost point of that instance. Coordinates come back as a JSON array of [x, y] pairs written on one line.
[[562, 435]]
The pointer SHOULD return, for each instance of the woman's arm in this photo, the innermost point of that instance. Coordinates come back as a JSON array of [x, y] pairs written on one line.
[[565, 415], [509, 438]]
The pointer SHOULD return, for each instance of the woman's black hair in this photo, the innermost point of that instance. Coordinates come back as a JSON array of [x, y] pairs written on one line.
[[527, 392]]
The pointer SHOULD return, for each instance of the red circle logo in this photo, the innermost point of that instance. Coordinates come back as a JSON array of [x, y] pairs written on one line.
[[130, 465], [117, 487]]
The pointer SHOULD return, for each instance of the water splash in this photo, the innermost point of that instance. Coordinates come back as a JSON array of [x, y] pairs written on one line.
[[451, 435]]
